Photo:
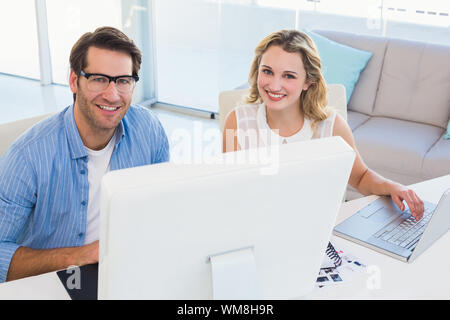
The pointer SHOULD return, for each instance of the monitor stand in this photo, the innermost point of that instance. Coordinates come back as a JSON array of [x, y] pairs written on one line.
[[234, 275]]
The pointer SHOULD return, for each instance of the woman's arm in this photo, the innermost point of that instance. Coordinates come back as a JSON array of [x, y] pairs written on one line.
[[230, 141], [368, 182]]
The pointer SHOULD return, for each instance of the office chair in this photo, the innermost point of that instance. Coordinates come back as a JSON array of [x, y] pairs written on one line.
[[10, 131]]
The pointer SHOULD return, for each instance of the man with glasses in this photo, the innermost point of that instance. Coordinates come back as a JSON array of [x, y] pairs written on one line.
[[50, 177]]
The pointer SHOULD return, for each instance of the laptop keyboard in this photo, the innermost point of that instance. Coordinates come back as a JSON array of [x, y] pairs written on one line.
[[405, 233]]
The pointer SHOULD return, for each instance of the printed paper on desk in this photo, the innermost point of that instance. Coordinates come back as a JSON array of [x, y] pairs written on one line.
[[336, 275]]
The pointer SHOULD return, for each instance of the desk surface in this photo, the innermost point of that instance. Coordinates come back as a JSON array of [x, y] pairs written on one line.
[[428, 277]]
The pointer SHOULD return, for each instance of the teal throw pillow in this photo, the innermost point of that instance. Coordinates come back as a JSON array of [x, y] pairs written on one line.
[[447, 136], [340, 63]]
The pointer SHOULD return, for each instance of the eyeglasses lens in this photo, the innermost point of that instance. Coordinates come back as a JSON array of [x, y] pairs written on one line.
[[99, 83]]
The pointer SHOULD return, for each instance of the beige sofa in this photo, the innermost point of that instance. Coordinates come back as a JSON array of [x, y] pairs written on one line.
[[400, 107]]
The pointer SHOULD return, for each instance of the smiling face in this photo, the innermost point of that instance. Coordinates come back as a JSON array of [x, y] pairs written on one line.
[[281, 79], [100, 112]]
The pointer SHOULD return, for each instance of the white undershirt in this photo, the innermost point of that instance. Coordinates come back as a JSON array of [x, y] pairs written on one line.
[[97, 166]]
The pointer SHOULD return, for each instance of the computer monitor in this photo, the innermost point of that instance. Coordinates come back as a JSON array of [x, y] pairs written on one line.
[[228, 230]]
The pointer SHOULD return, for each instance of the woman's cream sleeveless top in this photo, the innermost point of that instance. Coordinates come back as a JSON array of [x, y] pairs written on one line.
[[254, 132]]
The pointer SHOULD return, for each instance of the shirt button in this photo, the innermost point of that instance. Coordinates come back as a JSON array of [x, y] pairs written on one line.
[[80, 234], [82, 171], [83, 203]]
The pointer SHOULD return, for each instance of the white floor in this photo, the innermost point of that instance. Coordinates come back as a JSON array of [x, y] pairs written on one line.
[[23, 98]]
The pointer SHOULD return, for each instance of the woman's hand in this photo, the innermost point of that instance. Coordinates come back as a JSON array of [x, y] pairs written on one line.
[[399, 193]]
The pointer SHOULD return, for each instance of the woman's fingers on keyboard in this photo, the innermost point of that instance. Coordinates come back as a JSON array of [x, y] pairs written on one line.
[[419, 205], [415, 204], [401, 193]]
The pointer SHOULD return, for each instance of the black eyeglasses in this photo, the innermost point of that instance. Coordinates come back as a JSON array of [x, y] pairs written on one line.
[[99, 81]]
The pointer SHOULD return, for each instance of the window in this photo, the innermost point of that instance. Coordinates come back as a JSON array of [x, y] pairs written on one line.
[[204, 47], [418, 20], [20, 52], [194, 49], [68, 20]]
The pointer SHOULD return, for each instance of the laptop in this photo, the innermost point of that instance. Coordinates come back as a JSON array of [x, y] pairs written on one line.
[[383, 227]]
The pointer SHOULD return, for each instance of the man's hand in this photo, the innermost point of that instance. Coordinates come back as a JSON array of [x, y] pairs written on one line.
[[87, 254]]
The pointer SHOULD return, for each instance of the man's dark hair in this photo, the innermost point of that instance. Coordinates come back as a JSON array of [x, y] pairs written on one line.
[[103, 38]]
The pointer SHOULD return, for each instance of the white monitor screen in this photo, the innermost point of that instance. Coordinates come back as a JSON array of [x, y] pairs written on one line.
[[164, 225]]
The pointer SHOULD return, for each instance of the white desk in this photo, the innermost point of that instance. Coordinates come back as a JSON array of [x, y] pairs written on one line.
[[43, 287], [428, 277]]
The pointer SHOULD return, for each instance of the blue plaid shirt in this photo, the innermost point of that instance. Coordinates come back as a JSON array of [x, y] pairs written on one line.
[[44, 188]]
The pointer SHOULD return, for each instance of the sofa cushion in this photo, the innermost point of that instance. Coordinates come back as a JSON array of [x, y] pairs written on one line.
[[415, 83], [395, 145], [355, 119], [437, 160], [340, 63], [363, 97]]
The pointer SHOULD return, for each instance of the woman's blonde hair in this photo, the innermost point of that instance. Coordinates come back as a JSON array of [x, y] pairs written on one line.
[[313, 101]]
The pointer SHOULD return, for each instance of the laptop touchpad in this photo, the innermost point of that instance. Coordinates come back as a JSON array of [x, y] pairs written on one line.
[[381, 211], [384, 215]]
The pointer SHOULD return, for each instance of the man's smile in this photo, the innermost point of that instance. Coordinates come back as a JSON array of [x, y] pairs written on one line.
[[108, 108]]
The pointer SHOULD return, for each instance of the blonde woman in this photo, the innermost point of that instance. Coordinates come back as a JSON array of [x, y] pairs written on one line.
[[287, 103]]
